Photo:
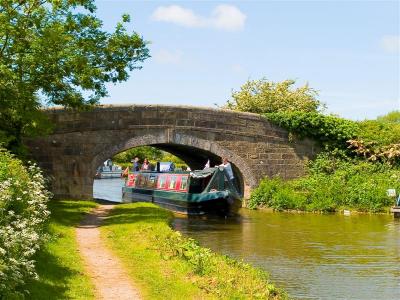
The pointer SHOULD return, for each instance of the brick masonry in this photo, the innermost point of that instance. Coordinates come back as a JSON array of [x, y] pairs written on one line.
[[81, 141]]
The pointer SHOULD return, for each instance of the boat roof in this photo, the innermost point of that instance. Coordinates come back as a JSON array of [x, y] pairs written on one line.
[[194, 174], [203, 173]]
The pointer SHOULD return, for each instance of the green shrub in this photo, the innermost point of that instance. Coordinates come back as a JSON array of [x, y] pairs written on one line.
[[332, 183], [391, 117], [380, 132], [325, 129], [262, 195], [264, 96], [22, 214]]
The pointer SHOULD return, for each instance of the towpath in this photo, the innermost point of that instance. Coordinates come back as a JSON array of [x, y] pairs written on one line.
[[109, 277]]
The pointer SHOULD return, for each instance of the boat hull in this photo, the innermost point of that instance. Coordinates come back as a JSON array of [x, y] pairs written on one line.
[[220, 202]]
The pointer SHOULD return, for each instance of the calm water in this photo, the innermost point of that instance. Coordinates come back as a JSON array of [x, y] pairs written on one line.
[[108, 189], [311, 256]]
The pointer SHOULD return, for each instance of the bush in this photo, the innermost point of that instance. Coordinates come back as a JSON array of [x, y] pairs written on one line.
[[328, 130], [263, 96], [332, 183], [380, 132], [391, 117], [23, 212]]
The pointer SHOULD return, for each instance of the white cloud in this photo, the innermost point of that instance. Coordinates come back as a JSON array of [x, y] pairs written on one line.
[[391, 43], [164, 56], [228, 17], [223, 17], [176, 14]]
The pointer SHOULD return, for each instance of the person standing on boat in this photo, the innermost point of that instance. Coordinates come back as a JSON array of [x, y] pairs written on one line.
[[146, 165], [228, 168], [136, 164]]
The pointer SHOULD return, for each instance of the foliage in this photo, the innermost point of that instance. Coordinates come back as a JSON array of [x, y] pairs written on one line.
[[55, 52], [172, 266], [263, 96], [142, 152], [151, 153], [59, 265], [23, 211], [204, 263], [391, 117], [386, 154], [333, 183], [172, 158], [379, 132], [327, 129], [379, 140]]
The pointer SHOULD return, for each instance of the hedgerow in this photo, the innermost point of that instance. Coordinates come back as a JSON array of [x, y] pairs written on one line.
[[333, 183], [325, 129], [23, 212]]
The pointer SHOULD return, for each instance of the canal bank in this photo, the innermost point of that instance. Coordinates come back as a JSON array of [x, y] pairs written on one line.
[[313, 256], [167, 265], [159, 261]]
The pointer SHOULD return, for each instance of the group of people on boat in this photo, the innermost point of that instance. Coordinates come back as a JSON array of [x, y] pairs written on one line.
[[137, 166], [146, 166]]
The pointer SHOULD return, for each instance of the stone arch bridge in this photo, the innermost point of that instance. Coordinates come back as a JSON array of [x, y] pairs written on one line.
[[81, 141]]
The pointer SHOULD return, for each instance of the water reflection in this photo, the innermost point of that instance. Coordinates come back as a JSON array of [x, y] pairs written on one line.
[[312, 256]]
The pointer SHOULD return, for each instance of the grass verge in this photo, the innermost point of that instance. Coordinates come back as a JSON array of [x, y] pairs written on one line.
[[332, 184], [59, 265], [167, 265]]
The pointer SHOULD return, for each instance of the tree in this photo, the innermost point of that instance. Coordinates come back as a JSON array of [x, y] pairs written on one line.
[[263, 96], [55, 52], [141, 152]]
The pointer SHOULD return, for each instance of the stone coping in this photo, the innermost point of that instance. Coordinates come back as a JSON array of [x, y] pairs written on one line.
[[129, 107]]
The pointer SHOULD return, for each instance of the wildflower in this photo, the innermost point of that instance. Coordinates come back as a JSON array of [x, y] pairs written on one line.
[[21, 225]]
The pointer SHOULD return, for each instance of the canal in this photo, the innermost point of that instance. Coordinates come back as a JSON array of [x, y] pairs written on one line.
[[312, 256]]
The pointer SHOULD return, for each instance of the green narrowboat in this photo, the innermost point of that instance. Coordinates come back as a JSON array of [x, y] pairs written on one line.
[[193, 193]]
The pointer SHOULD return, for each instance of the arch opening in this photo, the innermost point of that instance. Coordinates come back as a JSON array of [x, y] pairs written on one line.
[[195, 158]]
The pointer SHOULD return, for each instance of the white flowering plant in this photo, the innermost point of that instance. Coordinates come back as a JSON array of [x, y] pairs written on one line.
[[23, 213]]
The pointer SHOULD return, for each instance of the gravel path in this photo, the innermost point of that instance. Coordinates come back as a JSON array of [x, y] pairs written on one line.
[[110, 279]]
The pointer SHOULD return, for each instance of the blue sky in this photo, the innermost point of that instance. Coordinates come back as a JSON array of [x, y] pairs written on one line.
[[202, 50]]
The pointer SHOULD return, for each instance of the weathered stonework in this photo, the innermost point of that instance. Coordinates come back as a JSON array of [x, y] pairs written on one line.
[[81, 141]]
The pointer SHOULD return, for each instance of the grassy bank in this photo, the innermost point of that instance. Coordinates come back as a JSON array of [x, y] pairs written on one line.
[[167, 265], [332, 184], [59, 265]]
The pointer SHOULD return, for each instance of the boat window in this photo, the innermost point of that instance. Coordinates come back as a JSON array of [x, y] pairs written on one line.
[[184, 181], [161, 182], [172, 182], [152, 181]]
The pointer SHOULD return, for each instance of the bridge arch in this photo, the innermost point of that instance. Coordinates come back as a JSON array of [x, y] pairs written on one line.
[[81, 141], [193, 150]]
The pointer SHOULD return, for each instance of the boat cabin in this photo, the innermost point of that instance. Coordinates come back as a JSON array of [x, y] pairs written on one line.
[[212, 179], [192, 193]]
